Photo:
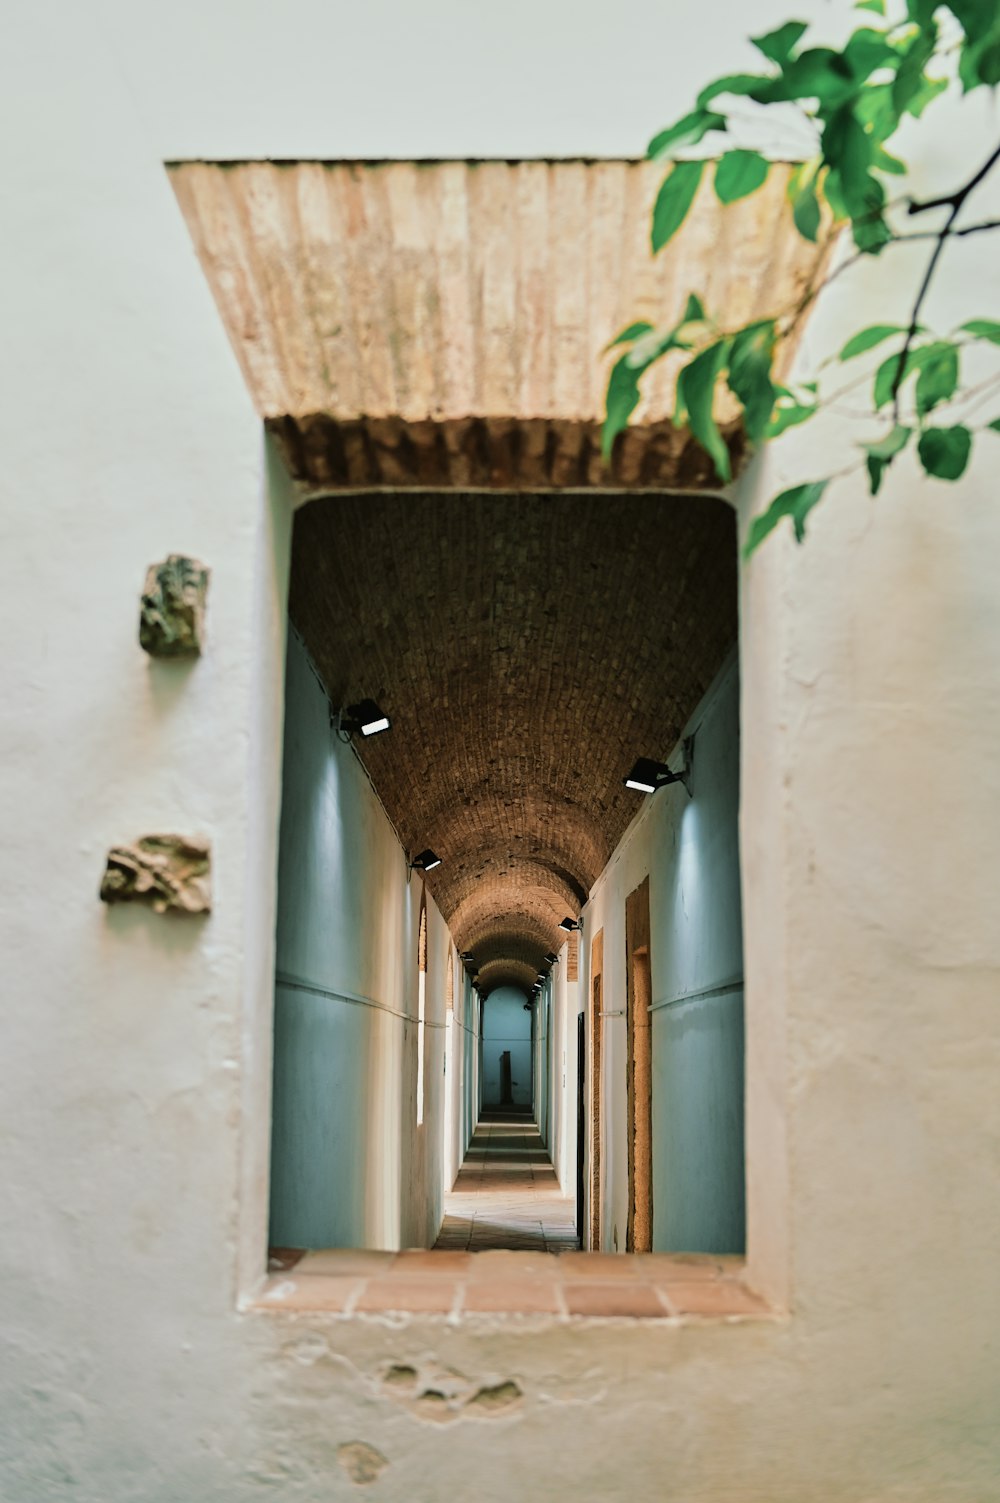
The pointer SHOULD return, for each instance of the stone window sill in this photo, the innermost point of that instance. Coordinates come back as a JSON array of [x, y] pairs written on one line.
[[462, 1286]]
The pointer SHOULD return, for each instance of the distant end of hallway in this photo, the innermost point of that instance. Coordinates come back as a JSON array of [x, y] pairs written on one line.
[[507, 1194]]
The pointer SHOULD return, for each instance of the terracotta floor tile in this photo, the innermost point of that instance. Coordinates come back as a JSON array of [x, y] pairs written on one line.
[[510, 1263], [724, 1297], [660, 1268], [431, 1260], [518, 1296], [420, 1296], [621, 1298], [586, 1267], [343, 1261], [319, 1292]]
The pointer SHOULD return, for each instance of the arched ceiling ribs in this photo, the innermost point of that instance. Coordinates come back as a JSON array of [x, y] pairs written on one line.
[[550, 897], [507, 973], [528, 649]]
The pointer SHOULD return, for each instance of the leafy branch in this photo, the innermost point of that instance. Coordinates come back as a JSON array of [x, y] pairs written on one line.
[[853, 99]]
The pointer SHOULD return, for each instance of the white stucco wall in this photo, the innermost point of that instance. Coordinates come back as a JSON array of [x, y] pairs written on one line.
[[134, 1153]]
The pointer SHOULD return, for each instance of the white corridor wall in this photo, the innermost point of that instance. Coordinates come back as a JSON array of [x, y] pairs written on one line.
[[350, 1167]]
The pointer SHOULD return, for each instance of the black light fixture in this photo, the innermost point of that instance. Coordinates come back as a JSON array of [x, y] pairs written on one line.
[[647, 776], [569, 924], [425, 862], [366, 716], [467, 955], [551, 958]]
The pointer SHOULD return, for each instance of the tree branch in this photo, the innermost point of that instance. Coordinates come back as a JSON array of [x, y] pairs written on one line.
[[956, 201]]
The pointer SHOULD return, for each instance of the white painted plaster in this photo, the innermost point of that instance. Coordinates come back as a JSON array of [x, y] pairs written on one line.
[[138, 1050]]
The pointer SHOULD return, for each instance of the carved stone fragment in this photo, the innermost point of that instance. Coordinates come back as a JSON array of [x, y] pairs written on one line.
[[172, 618], [165, 871]]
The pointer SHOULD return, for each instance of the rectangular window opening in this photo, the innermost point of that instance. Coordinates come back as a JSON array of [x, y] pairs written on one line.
[[602, 1107]]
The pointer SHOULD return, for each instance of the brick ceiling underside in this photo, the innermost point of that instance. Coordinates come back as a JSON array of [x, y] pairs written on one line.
[[445, 324], [527, 648]]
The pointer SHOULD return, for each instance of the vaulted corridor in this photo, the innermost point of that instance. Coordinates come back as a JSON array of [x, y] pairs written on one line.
[[508, 1004]]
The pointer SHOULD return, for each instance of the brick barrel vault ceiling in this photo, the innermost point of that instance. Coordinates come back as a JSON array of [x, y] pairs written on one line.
[[527, 648], [445, 323]]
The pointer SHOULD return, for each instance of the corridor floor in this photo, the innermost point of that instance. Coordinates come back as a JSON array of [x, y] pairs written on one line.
[[506, 1194]]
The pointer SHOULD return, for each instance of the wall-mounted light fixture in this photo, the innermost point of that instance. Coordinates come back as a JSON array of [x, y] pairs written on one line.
[[648, 776], [365, 717], [569, 924], [467, 955], [426, 861], [551, 958]]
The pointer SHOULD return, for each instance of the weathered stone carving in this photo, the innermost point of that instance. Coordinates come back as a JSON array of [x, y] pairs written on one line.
[[165, 871], [172, 618]]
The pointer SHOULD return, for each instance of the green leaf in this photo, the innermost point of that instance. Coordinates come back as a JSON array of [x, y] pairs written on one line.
[[909, 75], [649, 347], [695, 394], [867, 339], [847, 147], [627, 335], [885, 376], [739, 173], [694, 311], [622, 400], [673, 201], [871, 233], [874, 108], [884, 161], [730, 83], [789, 412], [995, 425], [879, 456], [806, 211], [980, 57], [777, 45], [819, 73], [868, 50], [944, 452], [750, 375], [921, 12], [983, 328], [878, 6], [795, 503], [927, 91], [938, 376], [687, 131], [833, 195]]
